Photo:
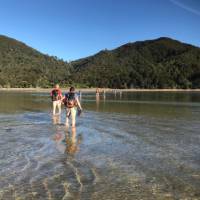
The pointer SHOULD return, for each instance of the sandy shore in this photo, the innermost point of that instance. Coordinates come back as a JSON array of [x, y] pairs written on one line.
[[43, 90], [84, 90]]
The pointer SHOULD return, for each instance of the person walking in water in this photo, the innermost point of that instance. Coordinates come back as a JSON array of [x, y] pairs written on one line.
[[71, 102], [56, 96], [97, 91]]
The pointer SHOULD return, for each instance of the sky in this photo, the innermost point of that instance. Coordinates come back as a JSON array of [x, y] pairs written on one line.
[[73, 29]]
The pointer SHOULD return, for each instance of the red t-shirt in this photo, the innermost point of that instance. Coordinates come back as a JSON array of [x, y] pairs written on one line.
[[56, 94]]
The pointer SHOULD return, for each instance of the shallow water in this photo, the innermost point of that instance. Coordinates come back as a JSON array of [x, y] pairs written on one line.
[[126, 146]]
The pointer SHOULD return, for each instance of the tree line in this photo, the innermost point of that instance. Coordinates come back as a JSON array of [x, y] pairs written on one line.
[[160, 63]]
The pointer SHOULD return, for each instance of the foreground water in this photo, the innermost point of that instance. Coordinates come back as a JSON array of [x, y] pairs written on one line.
[[125, 146]]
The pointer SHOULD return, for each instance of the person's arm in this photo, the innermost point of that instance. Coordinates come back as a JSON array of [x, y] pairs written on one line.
[[60, 95], [63, 99], [78, 103]]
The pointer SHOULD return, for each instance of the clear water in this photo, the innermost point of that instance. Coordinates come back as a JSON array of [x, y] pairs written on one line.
[[139, 145]]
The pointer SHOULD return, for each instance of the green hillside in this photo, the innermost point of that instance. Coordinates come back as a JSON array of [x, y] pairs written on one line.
[[22, 66], [160, 63]]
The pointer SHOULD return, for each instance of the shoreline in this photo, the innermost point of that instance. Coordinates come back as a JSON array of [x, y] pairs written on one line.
[[85, 90]]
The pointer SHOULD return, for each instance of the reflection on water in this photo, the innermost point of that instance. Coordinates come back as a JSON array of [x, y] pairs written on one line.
[[56, 119], [72, 143], [97, 101], [67, 141], [126, 146]]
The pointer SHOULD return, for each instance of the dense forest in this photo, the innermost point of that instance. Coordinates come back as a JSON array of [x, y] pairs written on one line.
[[22, 66], [159, 63]]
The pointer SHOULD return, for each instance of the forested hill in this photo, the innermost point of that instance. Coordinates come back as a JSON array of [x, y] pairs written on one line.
[[160, 63], [23, 66]]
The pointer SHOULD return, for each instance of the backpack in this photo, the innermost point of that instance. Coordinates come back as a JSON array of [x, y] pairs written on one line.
[[55, 95], [70, 100]]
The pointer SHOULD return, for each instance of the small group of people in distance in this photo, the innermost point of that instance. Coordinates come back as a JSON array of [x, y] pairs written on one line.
[[71, 102]]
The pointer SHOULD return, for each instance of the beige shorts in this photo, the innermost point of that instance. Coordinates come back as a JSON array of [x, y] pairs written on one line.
[[57, 104], [71, 113]]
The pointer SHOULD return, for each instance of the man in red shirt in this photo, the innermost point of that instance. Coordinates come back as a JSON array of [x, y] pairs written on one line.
[[56, 96]]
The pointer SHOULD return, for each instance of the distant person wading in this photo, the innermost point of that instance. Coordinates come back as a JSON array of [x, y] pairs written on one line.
[[56, 96], [71, 102]]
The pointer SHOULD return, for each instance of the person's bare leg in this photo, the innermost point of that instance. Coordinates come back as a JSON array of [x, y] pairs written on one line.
[[58, 119], [54, 119], [59, 108], [54, 107], [74, 135], [73, 115], [67, 118], [67, 122]]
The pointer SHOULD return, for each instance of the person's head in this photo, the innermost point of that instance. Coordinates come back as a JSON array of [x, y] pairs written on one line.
[[72, 89], [57, 86]]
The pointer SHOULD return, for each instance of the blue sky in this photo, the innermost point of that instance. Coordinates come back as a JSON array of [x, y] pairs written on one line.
[[72, 29]]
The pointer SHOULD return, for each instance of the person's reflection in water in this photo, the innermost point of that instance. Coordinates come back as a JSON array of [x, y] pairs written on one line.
[[72, 142], [56, 119], [67, 143], [59, 139], [97, 101], [115, 92], [120, 95], [104, 95]]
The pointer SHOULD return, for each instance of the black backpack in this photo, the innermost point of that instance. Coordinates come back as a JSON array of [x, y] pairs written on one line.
[[55, 95], [70, 100]]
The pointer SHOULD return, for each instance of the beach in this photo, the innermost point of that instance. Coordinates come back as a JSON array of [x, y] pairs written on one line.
[[85, 90]]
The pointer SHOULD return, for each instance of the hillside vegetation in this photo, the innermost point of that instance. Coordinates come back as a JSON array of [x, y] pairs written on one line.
[[22, 66], [159, 63]]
